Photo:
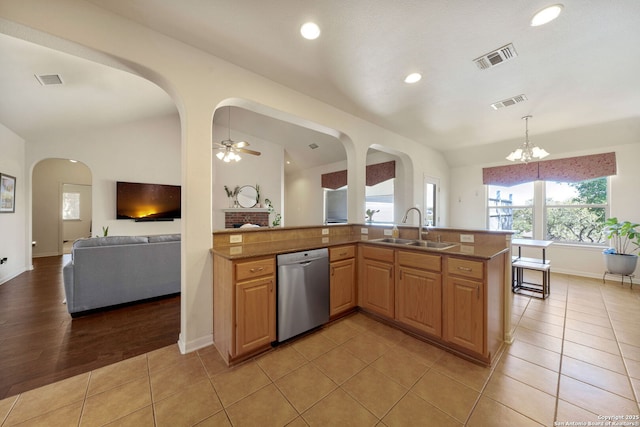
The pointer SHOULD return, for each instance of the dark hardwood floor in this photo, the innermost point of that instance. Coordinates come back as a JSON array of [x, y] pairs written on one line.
[[40, 343]]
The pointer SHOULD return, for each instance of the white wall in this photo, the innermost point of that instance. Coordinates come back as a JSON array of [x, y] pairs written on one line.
[[468, 204], [13, 239], [266, 170], [304, 195], [147, 151]]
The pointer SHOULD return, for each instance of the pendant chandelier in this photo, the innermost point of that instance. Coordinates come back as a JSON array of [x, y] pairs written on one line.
[[527, 153]]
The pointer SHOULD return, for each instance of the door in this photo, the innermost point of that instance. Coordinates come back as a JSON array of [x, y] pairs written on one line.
[[255, 314], [377, 287], [420, 300], [465, 313], [342, 283]]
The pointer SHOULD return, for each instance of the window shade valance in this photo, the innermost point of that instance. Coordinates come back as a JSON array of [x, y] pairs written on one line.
[[571, 169], [375, 174]]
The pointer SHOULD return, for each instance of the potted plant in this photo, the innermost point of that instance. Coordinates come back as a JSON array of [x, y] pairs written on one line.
[[370, 213], [620, 258]]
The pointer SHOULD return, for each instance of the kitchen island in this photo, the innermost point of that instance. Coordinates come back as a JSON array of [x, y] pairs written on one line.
[[453, 297]]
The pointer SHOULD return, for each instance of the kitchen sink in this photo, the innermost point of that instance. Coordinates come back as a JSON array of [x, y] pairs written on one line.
[[420, 243], [432, 245], [394, 241]]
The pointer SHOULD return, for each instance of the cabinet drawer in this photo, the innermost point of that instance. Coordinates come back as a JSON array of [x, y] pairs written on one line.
[[255, 268], [342, 252], [421, 261], [465, 267], [374, 252]]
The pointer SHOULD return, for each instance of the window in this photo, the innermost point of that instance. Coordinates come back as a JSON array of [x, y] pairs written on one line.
[[380, 197], [335, 205], [569, 212], [575, 212], [511, 208], [70, 206], [430, 201]]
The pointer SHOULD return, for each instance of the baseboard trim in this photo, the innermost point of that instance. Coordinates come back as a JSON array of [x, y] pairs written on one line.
[[3, 280], [197, 344]]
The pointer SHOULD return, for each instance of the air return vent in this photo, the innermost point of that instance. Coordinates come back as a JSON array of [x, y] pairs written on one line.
[[508, 102], [313, 145], [498, 56], [49, 79]]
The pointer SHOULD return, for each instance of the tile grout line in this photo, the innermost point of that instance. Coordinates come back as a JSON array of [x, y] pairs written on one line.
[[624, 362], [564, 327]]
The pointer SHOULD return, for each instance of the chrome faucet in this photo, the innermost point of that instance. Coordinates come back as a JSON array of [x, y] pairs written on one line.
[[404, 220]]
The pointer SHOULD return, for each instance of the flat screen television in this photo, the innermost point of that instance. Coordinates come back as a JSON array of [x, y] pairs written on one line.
[[147, 202]]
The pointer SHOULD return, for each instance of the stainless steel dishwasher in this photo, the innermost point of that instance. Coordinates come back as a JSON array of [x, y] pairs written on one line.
[[303, 292]]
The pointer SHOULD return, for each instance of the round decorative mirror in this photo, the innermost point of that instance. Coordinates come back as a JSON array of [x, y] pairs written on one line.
[[247, 196]]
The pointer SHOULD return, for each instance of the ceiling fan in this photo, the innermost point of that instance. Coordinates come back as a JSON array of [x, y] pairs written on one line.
[[228, 149]]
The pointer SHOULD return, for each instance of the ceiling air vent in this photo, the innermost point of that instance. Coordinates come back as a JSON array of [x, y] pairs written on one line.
[[496, 57], [49, 79], [313, 145], [508, 102]]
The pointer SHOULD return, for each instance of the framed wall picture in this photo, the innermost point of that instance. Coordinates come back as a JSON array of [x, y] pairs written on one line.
[[7, 193]]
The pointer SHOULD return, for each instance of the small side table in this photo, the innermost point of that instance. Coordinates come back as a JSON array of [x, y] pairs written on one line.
[[622, 276]]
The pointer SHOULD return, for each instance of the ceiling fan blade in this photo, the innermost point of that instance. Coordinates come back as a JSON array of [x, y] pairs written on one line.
[[240, 144], [244, 150]]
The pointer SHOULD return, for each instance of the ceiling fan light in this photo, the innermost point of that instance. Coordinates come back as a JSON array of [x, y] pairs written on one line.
[[220, 155]]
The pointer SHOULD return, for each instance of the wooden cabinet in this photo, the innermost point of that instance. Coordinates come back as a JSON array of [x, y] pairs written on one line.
[[465, 304], [419, 291], [342, 279], [255, 314], [376, 280], [244, 306]]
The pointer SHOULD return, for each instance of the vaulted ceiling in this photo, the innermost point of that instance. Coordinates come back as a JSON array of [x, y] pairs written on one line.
[[579, 70]]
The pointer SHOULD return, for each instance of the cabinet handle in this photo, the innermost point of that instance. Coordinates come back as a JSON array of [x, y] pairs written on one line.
[[333, 270], [343, 254], [465, 268], [271, 286], [477, 292], [256, 269]]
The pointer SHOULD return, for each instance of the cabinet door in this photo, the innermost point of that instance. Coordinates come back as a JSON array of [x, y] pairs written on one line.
[[419, 295], [342, 286], [377, 287], [464, 302], [255, 314]]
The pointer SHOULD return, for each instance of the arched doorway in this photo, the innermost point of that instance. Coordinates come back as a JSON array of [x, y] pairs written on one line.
[[61, 205]]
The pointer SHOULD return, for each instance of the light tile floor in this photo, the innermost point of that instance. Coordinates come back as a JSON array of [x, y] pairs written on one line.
[[576, 357]]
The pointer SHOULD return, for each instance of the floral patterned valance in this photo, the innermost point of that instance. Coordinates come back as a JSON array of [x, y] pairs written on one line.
[[571, 169], [375, 174]]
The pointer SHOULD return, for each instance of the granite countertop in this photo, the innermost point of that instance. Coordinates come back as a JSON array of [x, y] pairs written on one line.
[[250, 250]]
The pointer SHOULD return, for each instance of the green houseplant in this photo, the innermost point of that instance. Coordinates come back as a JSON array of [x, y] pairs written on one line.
[[625, 240]]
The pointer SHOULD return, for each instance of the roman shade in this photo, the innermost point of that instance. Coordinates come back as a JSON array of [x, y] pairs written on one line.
[[375, 174], [571, 169]]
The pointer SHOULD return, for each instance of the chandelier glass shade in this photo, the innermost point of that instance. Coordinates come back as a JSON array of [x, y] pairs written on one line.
[[527, 152]]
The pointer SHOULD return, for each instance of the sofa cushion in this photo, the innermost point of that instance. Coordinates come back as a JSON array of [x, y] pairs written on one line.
[[164, 238], [110, 241]]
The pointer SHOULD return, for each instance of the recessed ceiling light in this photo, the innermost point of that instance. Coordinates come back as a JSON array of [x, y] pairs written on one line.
[[310, 31], [546, 15], [73, 161], [413, 78]]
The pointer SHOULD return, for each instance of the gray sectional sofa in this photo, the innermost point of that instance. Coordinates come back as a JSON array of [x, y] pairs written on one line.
[[112, 270]]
